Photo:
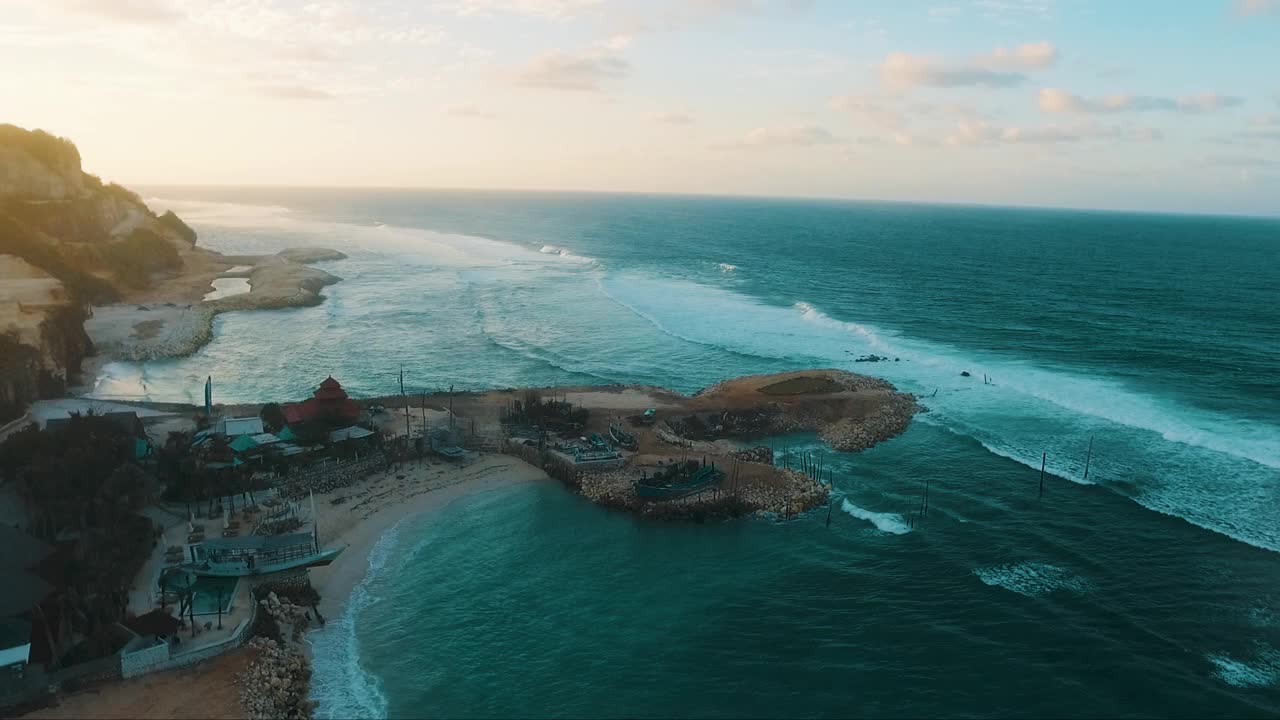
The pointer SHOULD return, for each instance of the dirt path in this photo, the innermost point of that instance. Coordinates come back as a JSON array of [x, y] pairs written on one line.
[[206, 690]]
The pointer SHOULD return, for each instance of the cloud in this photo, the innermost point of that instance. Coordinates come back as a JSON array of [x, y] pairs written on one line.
[[982, 133], [141, 12], [466, 110], [295, 92], [1030, 56], [795, 136], [901, 70], [555, 9], [874, 109], [1242, 161], [583, 72], [673, 118], [1054, 100], [1256, 7], [1002, 67]]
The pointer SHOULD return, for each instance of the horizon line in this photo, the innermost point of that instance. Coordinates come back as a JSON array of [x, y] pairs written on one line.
[[711, 195]]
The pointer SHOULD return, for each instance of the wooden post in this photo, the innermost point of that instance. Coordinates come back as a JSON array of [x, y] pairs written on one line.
[[1043, 459], [219, 607], [831, 486], [1087, 458]]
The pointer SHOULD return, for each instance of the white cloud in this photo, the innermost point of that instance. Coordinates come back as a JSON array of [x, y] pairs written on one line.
[[559, 70], [1002, 67], [143, 12], [795, 136], [1055, 100], [295, 92], [673, 118], [555, 9], [982, 133], [874, 109], [1029, 56], [1256, 7], [466, 110], [900, 70]]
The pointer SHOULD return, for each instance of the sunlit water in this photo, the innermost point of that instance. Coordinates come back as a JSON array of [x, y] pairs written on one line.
[[1152, 588]]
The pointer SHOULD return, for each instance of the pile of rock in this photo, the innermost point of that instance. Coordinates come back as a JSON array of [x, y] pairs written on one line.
[[292, 620], [615, 488], [793, 494], [759, 454], [890, 419], [276, 683]]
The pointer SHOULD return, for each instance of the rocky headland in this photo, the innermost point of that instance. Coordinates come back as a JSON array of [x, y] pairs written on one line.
[[74, 248]]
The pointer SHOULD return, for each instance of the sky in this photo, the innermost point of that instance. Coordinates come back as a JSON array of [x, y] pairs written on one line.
[[1149, 105]]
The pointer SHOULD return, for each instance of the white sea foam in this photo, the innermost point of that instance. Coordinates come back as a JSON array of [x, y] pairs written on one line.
[[727, 267], [1163, 449], [884, 522], [1261, 671], [1216, 471], [565, 254], [339, 682], [1032, 579]]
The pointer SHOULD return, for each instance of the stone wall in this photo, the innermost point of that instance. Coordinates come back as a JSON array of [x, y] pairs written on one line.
[[144, 660], [330, 475]]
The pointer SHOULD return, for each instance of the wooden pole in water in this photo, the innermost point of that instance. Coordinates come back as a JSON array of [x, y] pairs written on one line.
[[1043, 459], [407, 433], [831, 486], [1087, 458], [926, 495]]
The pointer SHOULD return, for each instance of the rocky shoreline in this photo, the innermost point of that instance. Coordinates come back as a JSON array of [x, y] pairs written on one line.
[[277, 682], [791, 493], [158, 325]]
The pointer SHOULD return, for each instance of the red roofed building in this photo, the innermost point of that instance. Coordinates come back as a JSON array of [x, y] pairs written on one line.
[[328, 402]]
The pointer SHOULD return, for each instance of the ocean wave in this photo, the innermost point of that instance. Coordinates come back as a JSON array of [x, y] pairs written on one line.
[[885, 522], [816, 316], [1261, 671], [1154, 450], [1033, 579], [727, 267], [566, 254], [339, 683]]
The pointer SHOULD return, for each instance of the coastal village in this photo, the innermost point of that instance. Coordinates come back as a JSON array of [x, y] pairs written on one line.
[[145, 539], [205, 531]]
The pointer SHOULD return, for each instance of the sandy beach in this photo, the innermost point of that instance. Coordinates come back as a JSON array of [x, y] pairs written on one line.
[[368, 509]]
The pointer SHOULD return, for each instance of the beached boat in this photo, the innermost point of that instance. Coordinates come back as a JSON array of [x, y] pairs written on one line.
[[678, 484], [622, 438], [258, 555]]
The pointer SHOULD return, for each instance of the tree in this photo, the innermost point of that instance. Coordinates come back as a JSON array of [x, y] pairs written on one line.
[[273, 417]]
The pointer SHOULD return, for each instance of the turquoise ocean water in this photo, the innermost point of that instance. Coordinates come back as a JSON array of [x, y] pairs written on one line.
[[1151, 589]]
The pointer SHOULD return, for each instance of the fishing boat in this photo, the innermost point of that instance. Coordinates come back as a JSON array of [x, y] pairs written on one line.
[[622, 438], [678, 482]]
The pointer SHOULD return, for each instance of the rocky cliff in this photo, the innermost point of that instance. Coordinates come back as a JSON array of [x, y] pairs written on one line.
[[67, 240]]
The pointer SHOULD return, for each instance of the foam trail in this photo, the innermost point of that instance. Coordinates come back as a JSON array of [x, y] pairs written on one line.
[[727, 267], [1262, 671], [339, 683], [1032, 579], [885, 522]]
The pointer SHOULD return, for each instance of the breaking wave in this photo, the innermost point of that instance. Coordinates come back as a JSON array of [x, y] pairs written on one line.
[[885, 522], [339, 683], [1261, 671]]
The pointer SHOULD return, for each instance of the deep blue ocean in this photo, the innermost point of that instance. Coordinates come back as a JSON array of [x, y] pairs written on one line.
[[1150, 589]]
